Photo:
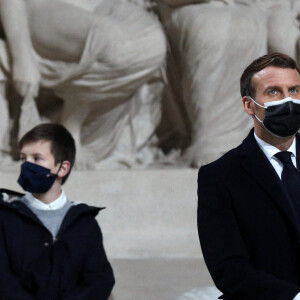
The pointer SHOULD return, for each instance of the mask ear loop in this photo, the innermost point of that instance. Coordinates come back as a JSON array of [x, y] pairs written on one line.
[[54, 174], [256, 102], [58, 169], [256, 117]]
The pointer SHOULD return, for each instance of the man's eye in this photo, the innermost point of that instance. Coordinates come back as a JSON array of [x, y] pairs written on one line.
[[22, 159], [272, 92], [294, 91], [37, 158]]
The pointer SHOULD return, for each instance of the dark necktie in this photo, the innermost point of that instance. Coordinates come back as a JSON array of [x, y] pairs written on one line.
[[290, 178]]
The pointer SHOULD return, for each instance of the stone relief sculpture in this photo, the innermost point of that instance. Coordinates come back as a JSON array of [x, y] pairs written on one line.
[[282, 25], [211, 42], [96, 65], [105, 67], [25, 75]]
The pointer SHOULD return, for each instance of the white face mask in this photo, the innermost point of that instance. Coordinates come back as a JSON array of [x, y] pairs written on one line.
[[282, 117], [276, 102]]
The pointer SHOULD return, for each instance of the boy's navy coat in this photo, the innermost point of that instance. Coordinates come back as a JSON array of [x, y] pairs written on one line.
[[249, 234], [34, 266]]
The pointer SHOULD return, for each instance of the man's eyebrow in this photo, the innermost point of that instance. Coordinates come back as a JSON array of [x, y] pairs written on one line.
[[276, 87], [279, 88], [295, 86], [273, 87]]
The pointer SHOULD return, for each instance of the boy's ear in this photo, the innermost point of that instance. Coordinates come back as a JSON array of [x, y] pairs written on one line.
[[64, 169]]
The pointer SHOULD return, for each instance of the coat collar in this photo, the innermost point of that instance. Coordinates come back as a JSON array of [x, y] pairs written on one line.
[[12, 200], [258, 166], [77, 211], [298, 150]]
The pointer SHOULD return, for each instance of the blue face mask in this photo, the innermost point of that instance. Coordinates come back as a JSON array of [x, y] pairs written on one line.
[[35, 179]]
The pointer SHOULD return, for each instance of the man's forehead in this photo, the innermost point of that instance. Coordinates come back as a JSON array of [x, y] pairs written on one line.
[[276, 76]]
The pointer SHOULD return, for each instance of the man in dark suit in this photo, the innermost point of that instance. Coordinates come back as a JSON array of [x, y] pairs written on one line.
[[249, 199]]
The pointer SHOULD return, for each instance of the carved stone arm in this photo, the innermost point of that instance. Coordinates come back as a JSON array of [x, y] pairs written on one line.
[[186, 2], [14, 19], [25, 71]]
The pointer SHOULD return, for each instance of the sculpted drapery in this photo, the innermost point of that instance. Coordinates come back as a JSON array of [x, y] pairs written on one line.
[[110, 78], [101, 82]]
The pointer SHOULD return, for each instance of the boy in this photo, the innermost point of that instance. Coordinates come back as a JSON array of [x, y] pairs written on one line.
[[50, 248]]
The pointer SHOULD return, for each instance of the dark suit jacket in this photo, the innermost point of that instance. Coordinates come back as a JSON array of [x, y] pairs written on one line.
[[248, 232]]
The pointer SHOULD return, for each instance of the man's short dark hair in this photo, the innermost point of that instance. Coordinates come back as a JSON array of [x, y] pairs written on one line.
[[62, 143], [279, 60]]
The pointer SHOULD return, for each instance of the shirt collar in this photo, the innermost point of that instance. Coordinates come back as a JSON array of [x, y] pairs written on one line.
[[37, 204], [270, 150]]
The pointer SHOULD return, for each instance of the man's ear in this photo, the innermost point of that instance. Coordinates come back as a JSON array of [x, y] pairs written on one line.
[[64, 169], [248, 106]]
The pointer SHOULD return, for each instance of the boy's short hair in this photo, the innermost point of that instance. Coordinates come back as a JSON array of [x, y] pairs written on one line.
[[62, 143]]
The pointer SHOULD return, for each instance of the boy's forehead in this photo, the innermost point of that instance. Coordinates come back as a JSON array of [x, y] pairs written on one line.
[[42, 146]]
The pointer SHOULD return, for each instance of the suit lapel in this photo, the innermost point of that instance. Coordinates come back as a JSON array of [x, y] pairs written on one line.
[[298, 150], [258, 166]]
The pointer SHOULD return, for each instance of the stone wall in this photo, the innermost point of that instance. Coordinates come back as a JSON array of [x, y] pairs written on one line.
[[148, 213]]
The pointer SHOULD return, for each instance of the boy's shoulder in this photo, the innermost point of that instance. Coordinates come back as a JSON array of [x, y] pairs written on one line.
[[9, 196], [10, 200], [84, 208], [15, 200]]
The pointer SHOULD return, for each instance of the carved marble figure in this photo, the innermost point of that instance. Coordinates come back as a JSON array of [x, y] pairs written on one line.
[[96, 64], [211, 43], [282, 25]]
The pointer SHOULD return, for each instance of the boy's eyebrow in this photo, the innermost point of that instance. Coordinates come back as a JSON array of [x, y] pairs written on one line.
[[34, 154]]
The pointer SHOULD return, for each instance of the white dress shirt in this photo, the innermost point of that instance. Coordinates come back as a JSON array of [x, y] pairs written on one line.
[[56, 204], [270, 151]]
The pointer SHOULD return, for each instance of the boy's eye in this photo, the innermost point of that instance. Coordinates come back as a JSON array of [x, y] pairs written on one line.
[[22, 159], [37, 158]]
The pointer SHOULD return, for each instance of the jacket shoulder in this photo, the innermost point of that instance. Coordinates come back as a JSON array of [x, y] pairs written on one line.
[[82, 209], [8, 196], [228, 161]]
